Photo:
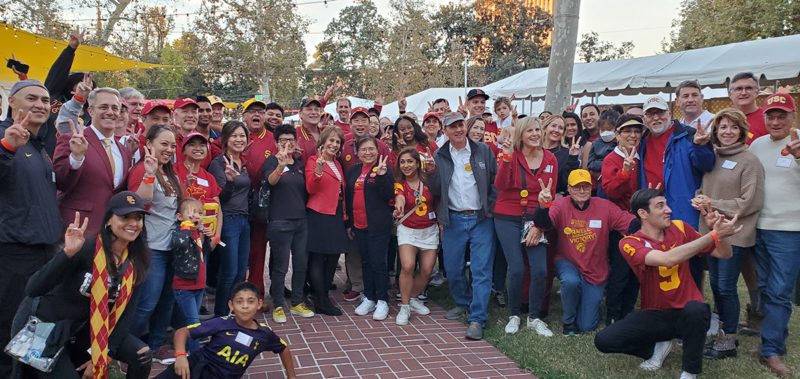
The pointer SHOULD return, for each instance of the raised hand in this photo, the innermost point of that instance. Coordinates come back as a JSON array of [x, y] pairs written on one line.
[[386, 134], [514, 114], [401, 143], [702, 136], [402, 103], [575, 147], [546, 194], [77, 143], [74, 236], [230, 172], [379, 100], [283, 156], [17, 134], [430, 163], [84, 86], [132, 142], [506, 145], [726, 228], [793, 147], [430, 107], [629, 164], [150, 162], [461, 107], [382, 167], [650, 186], [75, 38], [573, 104]]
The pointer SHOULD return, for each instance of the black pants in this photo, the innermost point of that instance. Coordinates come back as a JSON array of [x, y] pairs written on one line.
[[196, 370], [75, 355], [623, 286], [638, 333], [17, 264], [373, 248], [321, 268]]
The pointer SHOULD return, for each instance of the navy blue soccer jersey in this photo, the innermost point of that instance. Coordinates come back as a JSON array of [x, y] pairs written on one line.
[[232, 347]]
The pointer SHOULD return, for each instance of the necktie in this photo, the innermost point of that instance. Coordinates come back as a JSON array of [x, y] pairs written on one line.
[[107, 145]]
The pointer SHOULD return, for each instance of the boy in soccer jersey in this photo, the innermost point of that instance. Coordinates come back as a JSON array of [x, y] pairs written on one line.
[[671, 306], [236, 341]]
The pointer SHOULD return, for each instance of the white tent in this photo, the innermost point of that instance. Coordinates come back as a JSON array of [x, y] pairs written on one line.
[[773, 60], [331, 107], [418, 102]]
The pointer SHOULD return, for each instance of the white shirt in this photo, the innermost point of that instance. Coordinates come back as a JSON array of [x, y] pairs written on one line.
[[115, 152], [504, 123], [705, 119], [463, 192], [781, 181]]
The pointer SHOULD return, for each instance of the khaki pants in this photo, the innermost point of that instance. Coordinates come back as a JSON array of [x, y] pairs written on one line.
[[352, 261]]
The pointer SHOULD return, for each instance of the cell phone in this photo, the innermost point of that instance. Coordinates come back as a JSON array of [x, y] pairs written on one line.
[[17, 65]]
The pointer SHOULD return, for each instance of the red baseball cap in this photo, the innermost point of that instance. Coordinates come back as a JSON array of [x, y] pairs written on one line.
[[153, 104], [191, 136], [363, 110], [431, 114], [184, 102], [782, 101]]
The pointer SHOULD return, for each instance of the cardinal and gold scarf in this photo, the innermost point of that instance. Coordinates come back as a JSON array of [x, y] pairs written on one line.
[[102, 321]]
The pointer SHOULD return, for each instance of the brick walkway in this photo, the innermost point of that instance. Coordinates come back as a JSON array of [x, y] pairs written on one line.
[[350, 346]]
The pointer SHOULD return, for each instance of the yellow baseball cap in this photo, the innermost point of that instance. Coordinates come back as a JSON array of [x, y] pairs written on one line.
[[579, 176], [249, 103], [214, 100]]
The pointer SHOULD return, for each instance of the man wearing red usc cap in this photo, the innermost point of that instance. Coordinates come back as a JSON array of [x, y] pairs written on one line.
[[185, 115], [777, 247], [672, 306]]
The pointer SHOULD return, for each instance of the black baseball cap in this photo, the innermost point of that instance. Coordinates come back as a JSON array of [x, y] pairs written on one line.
[[125, 203], [310, 100], [477, 92]]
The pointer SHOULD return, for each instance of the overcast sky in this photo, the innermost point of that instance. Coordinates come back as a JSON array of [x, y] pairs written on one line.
[[646, 23]]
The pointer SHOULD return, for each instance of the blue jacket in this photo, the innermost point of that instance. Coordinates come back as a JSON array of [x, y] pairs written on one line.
[[684, 166]]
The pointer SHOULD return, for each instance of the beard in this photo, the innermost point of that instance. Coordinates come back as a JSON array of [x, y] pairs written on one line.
[[661, 128]]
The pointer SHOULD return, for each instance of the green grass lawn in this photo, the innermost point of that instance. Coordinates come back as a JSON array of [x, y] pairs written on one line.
[[576, 357]]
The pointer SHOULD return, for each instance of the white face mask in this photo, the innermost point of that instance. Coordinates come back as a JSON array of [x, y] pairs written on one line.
[[607, 136]]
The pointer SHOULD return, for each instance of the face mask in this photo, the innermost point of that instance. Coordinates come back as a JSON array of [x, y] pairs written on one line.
[[607, 136]]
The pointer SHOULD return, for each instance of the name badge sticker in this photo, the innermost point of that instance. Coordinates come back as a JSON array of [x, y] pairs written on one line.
[[202, 182], [431, 215], [784, 162], [54, 175], [728, 164], [244, 339], [595, 224], [548, 169], [286, 169]]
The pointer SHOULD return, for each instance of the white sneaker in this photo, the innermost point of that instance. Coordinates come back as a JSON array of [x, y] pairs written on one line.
[[418, 307], [365, 307], [540, 327], [381, 311], [513, 325], [713, 326], [660, 353], [403, 315], [686, 375]]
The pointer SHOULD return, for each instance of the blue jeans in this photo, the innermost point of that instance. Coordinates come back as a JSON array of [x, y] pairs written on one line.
[[463, 229], [724, 275], [155, 300], [510, 234], [580, 299], [287, 239], [189, 301], [778, 259], [374, 250], [233, 259]]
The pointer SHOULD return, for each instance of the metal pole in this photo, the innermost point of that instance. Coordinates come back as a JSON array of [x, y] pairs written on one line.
[[562, 55], [465, 72]]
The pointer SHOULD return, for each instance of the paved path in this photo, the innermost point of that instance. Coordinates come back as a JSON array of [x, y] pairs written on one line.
[[351, 346]]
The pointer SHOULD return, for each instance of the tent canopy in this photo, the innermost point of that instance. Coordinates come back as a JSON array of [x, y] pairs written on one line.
[[773, 60], [40, 52], [418, 102], [330, 107]]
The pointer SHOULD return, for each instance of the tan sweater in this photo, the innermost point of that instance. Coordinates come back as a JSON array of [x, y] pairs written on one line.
[[736, 186], [781, 205]]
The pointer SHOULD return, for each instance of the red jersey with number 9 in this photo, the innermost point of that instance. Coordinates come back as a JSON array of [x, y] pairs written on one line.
[[663, 287]]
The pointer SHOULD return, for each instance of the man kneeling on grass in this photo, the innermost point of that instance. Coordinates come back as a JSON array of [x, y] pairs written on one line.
[[236, 341], [672, 306]]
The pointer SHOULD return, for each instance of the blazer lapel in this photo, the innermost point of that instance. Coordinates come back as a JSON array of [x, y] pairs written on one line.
[[98, 147]]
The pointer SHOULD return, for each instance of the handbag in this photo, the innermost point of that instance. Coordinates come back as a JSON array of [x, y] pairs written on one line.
[[259, 202], [39, 344], [527, 223]]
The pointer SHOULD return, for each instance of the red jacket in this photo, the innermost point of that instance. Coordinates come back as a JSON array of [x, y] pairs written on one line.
[[618, 185], [324, 192], [88, 188], [509, 183]]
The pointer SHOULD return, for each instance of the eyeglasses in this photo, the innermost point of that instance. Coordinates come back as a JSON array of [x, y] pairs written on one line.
[[259, 111], [654, 113], [105, 108], [286, 140], [743, 89]]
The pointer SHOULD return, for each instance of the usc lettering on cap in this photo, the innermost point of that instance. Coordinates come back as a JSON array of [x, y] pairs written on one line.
[[776, 99]]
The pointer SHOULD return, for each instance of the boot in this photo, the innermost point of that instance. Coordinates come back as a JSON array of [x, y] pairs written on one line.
[[754, 319], [724, 347]]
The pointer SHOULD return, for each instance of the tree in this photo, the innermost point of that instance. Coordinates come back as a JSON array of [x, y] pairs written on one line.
[[592, 49], [252, 46], [705, 23]]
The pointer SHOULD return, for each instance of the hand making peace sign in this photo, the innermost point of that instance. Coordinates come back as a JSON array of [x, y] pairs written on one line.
[[74, 236], [230, 171], [575, 147], [461, 107], [629, 164], [17, 134], [150, 162], [382, 167], [702, 136], [77, 143], [545, 194]]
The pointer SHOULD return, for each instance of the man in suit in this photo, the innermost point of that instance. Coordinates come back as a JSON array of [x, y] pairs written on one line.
[[90, 165]]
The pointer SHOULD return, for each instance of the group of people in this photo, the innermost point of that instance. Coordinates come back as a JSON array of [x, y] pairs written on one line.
[[145, 205]]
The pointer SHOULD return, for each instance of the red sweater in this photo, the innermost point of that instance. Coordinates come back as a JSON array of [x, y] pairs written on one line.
[[509, 183], [619, 185]]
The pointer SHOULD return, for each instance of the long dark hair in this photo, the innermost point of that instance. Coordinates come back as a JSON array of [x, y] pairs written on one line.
[[170, 184], [138, 252], [414, 153], [419, 135]]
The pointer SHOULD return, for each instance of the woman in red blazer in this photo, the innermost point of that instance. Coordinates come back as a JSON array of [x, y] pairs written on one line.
[[325, 186]]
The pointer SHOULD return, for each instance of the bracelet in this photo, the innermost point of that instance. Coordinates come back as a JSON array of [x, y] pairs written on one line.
[[506, 157], [180, 354], [546, 205], [715, 237], [7, 146], [217, 240], [79, 98], [149, 180]]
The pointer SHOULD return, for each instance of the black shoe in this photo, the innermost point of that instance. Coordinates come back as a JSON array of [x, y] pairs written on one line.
[[500, 298], [327, 308], [570, 330], [287, 293], [204, 311], [713, 354]]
